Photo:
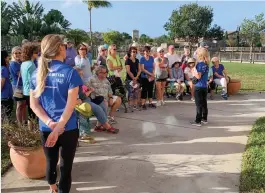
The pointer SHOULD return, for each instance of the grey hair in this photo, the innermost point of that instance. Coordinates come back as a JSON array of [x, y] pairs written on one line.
[[100, 68]]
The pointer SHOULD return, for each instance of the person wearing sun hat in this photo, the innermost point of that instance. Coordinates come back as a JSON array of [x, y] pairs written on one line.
[[188, 76]]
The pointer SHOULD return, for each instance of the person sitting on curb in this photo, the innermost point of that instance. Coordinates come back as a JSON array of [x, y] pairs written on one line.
[[178, 75], [220, 76], [102, 87]]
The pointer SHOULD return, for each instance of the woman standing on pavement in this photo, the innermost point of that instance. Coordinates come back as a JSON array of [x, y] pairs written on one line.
[[200, 80], [53, 95]]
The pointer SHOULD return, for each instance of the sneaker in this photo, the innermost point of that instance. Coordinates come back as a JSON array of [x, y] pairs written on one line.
[[111, 120], [224, 96], [192, 99], [194, 123], [158, 104], [144, 107], [178, 97], [151, 105], [204, 122], [135, 108], [163, 102], [87, 139]]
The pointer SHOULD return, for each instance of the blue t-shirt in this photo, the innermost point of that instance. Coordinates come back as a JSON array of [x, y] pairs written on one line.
[[60, 79], [14, 68], [203, 69], [148, 65], [6, 91], [27, 69], [218, 70]]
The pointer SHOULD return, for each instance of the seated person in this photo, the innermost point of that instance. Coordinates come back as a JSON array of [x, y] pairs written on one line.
[[188, 76], [102, 87], [99, 110], [220, 76], [211, 83], [178, 75]]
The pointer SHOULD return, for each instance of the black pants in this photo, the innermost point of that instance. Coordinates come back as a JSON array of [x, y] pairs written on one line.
[[31, 114], [66, 143], [201, 104], [211, 86], [147, 89], [6, 107]]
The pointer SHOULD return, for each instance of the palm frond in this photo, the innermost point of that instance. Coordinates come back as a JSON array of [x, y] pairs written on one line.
[[97, 4]]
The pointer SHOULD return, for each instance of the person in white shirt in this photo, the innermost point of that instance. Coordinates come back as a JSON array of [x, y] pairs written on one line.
[[82, 61], [172, 56]]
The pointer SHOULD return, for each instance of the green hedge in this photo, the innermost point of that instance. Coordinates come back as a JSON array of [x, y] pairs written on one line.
[[253, 164]]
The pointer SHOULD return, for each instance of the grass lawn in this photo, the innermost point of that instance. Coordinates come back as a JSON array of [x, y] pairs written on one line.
[[251, 75], [253, 164]]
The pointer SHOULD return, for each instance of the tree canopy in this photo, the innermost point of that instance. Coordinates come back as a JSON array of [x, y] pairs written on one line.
[[251, 30], [189, 22]]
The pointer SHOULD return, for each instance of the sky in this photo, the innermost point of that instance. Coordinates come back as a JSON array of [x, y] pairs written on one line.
[[149, 17]]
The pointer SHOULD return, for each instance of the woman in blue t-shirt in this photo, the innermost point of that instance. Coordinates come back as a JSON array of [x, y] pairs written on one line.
[[6, 87], [147, 77], [201, 79], [14, 68], [53, 94]]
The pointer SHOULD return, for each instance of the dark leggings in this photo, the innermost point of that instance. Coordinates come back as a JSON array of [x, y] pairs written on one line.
[[31, 114], [201, 104], [66, 144], [6, 107], [147, 89]]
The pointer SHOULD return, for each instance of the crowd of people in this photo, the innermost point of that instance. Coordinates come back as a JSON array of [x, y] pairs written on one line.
[[60, 86]]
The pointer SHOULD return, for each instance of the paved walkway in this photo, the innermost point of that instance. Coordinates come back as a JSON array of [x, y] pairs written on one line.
[[157, 151]]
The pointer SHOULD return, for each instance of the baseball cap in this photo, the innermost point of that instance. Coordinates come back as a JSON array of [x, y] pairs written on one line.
[[191, 60], [135, 44], [66, 40], [106, 46], [171, 47], [204, 45], [159, 49]]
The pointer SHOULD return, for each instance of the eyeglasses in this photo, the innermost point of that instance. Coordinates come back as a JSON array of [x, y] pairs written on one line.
[[134, 52], [162, 51], [83, 49], [147, 51], [103, 50], [17, 53], [114, 49], [35, 52], [103, 73]]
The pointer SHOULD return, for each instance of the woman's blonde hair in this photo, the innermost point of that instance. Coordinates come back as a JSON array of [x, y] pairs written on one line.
[[14, 49], [50, 47], [111, 47], [203, 55]]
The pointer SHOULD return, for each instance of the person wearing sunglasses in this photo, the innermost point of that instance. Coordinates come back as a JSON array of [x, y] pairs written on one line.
[[14, 68], [29, 54], [82, 61], [102, 53], [161, 74]]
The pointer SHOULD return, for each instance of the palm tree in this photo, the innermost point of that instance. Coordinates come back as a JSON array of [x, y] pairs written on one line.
[[94, 4]]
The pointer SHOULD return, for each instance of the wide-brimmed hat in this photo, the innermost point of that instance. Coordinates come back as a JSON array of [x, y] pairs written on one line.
[[191, 60], [159, 49]]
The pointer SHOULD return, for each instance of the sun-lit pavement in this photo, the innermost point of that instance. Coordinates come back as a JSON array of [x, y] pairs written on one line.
[[157, 151]]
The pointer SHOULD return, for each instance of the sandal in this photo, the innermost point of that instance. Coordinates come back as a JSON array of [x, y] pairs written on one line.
[[99, 129], [112, 130]]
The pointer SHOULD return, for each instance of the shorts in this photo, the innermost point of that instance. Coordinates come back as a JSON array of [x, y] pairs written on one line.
[[183, 85], [114, 98], [187, 82], [161, 80]]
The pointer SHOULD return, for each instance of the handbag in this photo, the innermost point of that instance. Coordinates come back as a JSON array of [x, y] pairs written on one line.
[[18, 93], [97, 100], [194, 80]]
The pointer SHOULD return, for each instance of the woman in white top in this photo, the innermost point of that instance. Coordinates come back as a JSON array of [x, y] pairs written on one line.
[[188, 76], [82, 61]]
